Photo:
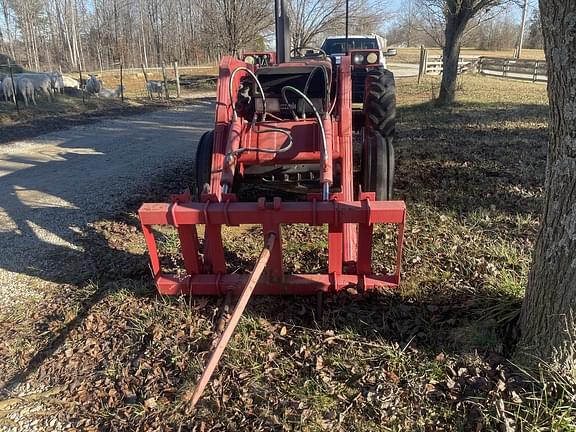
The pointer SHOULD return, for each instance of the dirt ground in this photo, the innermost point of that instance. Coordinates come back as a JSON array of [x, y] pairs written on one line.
[[87, 345]]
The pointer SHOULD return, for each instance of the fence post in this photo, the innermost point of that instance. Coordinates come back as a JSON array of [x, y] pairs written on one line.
[[14, 95], [121, 83], [177, 75], [81, 88], [146, 79], [535, 76], [423, 63], [165, 81]]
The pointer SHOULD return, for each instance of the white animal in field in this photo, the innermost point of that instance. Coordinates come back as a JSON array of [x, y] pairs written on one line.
[[41, 82], [26, 89], [107, 93], [155, 86], [8, 89], [57, 81], [93, 85]]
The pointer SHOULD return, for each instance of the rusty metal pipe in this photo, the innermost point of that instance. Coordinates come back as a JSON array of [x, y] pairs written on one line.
[[235, 318]]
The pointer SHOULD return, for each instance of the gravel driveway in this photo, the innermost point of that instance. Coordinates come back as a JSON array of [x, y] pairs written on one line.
[[53, 186]]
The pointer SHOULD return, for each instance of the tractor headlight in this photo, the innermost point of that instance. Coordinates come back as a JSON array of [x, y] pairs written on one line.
[[372, 58], [358, 59], [249, 60]]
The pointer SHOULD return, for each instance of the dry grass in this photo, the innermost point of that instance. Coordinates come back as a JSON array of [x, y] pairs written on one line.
[[135, 83], [135, 95], [62, 105], [412, 55], [432, 357]]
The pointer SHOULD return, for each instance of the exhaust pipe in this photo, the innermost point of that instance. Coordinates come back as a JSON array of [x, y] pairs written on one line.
[[282, 32]]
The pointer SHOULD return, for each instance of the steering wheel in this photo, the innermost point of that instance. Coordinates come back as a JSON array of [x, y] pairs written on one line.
[[308, 52]]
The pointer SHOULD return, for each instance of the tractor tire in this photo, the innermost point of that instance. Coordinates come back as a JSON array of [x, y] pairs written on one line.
[[378, 166], [377, 149], [380, 102], [203, 162]]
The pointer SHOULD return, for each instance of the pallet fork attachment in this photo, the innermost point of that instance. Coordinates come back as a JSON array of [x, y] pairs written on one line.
[[236, 314], [267, 276], [205, 273]]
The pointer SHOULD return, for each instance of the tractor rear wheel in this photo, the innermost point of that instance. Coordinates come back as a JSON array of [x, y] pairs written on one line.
[[377, 149], [378, 166], [204, 162], [380, 102]]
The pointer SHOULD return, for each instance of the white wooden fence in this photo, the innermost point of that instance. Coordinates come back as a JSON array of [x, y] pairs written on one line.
[[533, 70], [434, 66]]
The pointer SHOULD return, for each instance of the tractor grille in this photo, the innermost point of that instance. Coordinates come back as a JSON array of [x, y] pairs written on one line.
[[358, 80]]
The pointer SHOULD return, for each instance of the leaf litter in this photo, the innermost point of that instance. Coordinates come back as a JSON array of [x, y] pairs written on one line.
[[424, 358]]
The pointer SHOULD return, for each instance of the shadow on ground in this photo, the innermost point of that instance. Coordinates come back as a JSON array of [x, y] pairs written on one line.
[[58, 249], [130, 358], [474, 157]]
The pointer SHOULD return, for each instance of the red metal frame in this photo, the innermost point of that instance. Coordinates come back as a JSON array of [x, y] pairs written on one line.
[[205, 275], [270, 54], [350, 222]]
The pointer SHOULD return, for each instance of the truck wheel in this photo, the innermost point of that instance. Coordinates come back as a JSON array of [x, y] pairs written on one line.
[[204, 162], [377, 149], [378, 166], [380, 102]]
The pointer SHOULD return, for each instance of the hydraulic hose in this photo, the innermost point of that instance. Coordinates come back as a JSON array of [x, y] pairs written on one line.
[[309, 80], [269, 151], [316, 114], [255, 78], [325, 185]]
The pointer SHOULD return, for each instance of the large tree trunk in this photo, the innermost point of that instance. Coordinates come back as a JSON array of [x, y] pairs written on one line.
[[450, 55], [548, 319]]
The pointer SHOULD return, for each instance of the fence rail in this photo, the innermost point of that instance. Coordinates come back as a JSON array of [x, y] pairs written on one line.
[[534, 70], [434, 65]]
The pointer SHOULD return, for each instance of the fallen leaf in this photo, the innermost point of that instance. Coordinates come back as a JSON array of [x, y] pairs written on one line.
[[150, 403]]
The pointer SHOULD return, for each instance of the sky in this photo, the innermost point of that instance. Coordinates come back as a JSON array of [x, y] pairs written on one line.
[[517, 11]]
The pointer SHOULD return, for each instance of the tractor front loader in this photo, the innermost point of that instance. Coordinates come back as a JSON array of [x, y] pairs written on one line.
[[282, 119]]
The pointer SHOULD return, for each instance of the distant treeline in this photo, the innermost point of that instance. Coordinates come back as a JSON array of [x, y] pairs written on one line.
[[94, 34]]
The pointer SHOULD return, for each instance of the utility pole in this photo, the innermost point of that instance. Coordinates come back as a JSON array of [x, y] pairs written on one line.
[[346, 24], [522, 30]]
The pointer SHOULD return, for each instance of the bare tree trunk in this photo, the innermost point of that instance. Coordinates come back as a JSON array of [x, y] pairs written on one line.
[[8, 29], [451, 55], [73, 36], [66, 32], [62, 33], [77, 35], [34, 43], [144, 52], [548, 313]]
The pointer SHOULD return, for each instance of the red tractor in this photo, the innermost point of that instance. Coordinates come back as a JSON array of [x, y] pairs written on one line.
[[284, 122]]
